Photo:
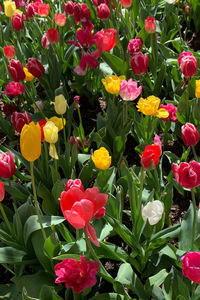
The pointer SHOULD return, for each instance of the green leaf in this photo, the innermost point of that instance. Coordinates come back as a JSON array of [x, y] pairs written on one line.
[[115, 63], [32, 224], [159, 80], [10, 255], [48, 292], [109, 296], [25, 295], [186, 230]]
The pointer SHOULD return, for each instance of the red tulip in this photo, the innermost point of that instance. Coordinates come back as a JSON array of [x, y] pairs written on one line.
[[134, 45], [29, 11], [191, 266], [45, 41], [42, 123], [17, 21], [78, 207], [190, 134], [13, 89], [139, 63], [188, 64], [126, 3], [187, 174], [60, 19], [2, 191], [106, 40], [9, 51], [16, 70], [7, 165], [81, 12], [0, 7], [35, 67], [74, 183], [77, 275], [150, 25], [19, 120], [43, 9], [150, 156], [69, 7], [53, 35], [187, 9], [103, 11]]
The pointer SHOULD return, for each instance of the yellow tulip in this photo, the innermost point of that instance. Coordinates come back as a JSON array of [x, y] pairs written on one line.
[[197, 90], [29, 76], [51, 137], [60, 104], [150, 107], [101, 159], [58, 122], [9, 8], [112, 83], [30, 141]]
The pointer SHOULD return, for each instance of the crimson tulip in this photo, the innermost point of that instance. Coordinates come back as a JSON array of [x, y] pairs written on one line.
[[29, 11], [103, 11], [139, 63], [17, 21], [45, 41], [7, 165], [8, 109], [150, 156], [14, 89], [35, 67], [190, 134], [9, 51], [53, 35], [16, 70], [188, 64], [69, 7], [19, 120], [134, 45], [191, 266], [187, 174], [2, 191], [74, 183]]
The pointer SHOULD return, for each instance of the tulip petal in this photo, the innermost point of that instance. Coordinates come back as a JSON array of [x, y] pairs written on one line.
[[74, 219], [84, 208], [90, 232]]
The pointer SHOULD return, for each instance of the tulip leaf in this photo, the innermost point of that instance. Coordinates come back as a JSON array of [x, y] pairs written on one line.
[[186, 230], [109, 296], [10, 255], [114, 62]]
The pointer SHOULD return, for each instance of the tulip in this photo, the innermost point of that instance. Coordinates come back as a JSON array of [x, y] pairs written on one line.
[[13, 89], [134, 45], [35, 67], [2, 191], [42, 123], [58, 122], [103, 11], [106, 40], [53, 35], [112, 83], [38, 106], [157, 141], [29, 11], [126, 3], [51, 137], [150, 156], [16, 71], [28, 75], [139, 63], [129, 90], [150, 25], [188, 64], [43, 9], [150, 107], [74, 183], [60, 19], [7, 165], [60, 104], [190, 134], [9, 51], [30, 141], [78, 207], [9, 8], [187, 9], [17, 21], [69, 7], [172, 110], [45, 41], [101, 158], [19, 120], [170, 1], [187, 174], [81, 12], [197, 90], [191, 266], [9, 109], [77, 275], [153, 212]]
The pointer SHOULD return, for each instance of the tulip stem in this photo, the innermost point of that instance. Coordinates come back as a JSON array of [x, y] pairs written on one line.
[[64, 133], [5, 218], [77, 296], [194, 153], [82, 135], [36, 201], [195, 217], [46, 156]]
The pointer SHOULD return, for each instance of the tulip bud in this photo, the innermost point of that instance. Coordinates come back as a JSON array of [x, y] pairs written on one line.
[[19, 120], [69, 7], [60, 19], [35, 67], [74, 183], [16, 70], [38, 106], [53, 35], [9, 51], [51, 137], [139, 63], [190, 134], [60, 105], [153, 212], [126, 3], [103, 11], [187, 9], [188, 64], [150, 156], [30, 141], [150, 25], [17, 21], [43, 9], [7, 165]]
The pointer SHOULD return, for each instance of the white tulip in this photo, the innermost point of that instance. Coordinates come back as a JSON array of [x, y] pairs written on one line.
[[170, 1], [153, 212]]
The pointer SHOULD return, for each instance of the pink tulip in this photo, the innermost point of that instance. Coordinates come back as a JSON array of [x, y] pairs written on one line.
[[191, 266], [129, 90]]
